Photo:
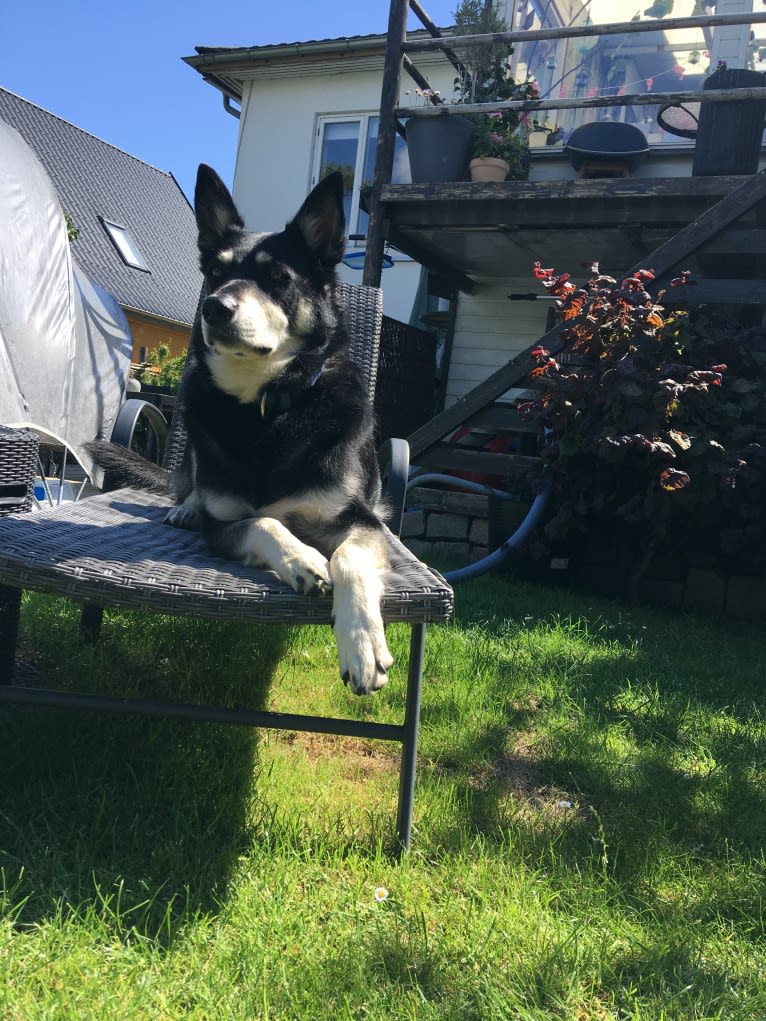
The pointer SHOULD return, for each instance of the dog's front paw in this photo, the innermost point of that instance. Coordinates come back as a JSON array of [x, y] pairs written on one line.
[[307, 573], [363, 654], [183, 516]]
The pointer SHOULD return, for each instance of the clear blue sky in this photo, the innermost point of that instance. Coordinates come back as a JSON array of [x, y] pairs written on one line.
[[115, 69]]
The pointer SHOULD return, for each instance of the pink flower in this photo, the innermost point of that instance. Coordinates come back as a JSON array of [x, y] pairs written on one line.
[[494, 137], [496, 116]]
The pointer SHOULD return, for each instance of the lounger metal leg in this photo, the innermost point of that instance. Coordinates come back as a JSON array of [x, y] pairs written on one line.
[[410, 740], [90, 622], [10, 605]]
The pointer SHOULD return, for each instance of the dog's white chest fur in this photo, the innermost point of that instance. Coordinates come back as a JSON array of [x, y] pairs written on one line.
[[245, 377]]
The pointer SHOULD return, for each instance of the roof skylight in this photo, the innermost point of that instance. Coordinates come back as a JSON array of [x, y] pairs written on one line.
[[125, 245]]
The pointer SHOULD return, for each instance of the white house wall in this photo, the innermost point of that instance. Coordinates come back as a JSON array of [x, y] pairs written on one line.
[[489, 330], [276, 147]]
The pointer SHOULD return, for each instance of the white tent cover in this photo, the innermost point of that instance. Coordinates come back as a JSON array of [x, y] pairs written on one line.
[[65, 343]]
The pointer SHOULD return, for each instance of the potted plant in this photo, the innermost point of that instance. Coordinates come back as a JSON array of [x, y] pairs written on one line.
[[503, 134], [498, 150], [484, 78]]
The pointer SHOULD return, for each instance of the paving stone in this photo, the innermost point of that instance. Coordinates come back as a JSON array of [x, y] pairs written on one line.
[[459, 551], [447, 526], [413, 523], [479, 532], [422, 549]]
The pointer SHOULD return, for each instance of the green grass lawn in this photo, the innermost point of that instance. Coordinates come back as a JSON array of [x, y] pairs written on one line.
[[590, 822]]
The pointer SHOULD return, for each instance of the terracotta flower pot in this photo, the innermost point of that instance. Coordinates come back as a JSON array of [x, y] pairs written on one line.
[[488, 168]]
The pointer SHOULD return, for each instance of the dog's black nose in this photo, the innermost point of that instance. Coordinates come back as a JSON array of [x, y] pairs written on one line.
[[217, 310]]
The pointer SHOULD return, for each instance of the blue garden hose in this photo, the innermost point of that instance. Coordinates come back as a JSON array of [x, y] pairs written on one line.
[[493, 559]]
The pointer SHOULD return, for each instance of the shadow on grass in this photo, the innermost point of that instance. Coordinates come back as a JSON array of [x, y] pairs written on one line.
[[137, 820]]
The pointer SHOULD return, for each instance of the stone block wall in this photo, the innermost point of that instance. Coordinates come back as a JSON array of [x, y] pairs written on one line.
[[445, 524], [442, 523]]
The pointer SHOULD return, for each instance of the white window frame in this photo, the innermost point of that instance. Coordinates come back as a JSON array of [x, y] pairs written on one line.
[[363, 119]]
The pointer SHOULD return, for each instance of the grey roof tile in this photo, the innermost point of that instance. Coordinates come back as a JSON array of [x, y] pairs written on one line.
[[95, 178]]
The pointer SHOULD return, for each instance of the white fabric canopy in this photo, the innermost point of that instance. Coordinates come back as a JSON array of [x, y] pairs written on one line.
[[65, 343]]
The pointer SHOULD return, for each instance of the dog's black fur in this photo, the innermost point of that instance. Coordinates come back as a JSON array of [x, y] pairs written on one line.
[[282, 465]]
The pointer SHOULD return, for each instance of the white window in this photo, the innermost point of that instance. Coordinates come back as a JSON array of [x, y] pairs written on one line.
[[125, 245], [347, 142]]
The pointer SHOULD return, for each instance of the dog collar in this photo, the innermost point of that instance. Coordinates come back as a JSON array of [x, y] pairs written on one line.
[[277, 401]]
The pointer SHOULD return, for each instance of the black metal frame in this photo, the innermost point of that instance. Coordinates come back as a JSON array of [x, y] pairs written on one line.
[[406, 732]]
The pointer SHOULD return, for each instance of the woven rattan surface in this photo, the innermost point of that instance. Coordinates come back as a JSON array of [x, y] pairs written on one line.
[[113, 549], [363, 309], [18, 466]]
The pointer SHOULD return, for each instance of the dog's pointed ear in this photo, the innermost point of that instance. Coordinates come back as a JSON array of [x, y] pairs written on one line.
[[322, 222], [213, 206]]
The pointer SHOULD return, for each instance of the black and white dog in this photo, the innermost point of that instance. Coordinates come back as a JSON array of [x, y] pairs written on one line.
[[282, 465]]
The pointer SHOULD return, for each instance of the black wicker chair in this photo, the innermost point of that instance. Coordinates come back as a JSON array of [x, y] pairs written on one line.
[[113, 550]]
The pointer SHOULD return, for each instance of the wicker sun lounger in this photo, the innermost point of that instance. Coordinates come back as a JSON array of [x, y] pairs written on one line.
[[112, 550]]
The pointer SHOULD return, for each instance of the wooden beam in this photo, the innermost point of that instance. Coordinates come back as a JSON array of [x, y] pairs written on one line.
[[503, 418], [504, 378], [420, 80], [586, 31], [434, 32], [455, 458], [751, 191], [384, 152], [510, 206], [588, 102], [707, 291], [737, 241], [570, 190], [446, 357]]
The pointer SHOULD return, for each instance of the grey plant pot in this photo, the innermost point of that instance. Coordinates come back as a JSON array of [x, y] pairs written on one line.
[[438, 148]]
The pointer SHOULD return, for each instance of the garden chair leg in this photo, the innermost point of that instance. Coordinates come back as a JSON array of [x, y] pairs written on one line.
[[90, 622], [10, 605], [410, 740]]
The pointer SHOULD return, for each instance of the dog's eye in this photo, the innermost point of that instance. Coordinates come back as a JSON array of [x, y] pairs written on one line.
[[216, 271], [277, 274]]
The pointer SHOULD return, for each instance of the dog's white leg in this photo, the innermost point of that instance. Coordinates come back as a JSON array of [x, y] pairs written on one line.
[[268, 542], [356, 567]]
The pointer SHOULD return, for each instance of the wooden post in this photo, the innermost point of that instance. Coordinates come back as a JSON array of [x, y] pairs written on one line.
[[384, 154]]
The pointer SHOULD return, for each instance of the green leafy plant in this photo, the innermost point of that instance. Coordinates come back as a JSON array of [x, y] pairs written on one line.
[[486, 78], [655, 418], [162, 369], [72, 232]]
